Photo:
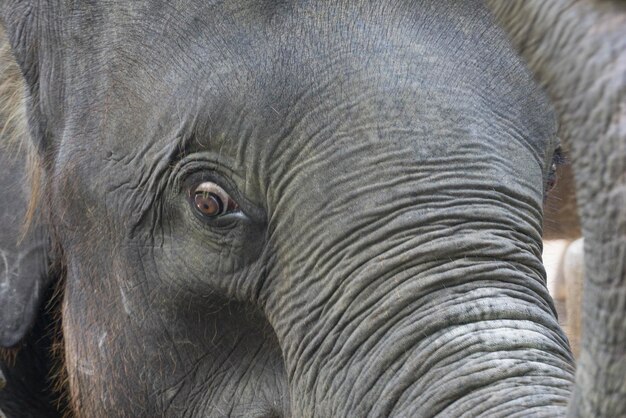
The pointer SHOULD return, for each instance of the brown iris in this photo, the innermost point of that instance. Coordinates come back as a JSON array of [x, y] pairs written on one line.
[[208, 204], [210, 200]]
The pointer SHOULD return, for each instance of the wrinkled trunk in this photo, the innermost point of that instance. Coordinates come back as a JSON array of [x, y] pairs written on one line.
[[409, 332], [425, 293], [450, 340]]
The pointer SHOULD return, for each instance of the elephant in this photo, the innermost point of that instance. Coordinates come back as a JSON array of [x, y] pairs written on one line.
[[24, 265], [581, 62], [181, 143], [576, 50]]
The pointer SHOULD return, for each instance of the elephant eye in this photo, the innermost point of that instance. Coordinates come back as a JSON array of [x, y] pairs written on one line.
[[552, 178], [211, 201], [558, 159]]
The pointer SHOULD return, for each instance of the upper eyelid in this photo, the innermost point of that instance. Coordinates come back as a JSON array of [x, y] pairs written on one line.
[[208, 157], [186, 166]]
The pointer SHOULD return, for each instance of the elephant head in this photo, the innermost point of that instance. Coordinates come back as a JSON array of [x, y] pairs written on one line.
[[293, 208]]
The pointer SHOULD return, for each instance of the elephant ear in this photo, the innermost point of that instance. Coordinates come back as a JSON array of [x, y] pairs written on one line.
[[24, 262], [21, 23]]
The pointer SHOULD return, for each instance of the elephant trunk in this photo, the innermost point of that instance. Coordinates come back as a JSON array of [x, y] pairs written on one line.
[[411, 331], [402, 270]]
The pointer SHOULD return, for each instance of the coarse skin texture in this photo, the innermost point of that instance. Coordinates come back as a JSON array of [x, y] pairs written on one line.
[[591, 38], [389, 160], [25, 380], [23, 252]]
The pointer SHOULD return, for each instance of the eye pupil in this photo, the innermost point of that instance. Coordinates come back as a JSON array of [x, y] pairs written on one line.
[[208, 204]]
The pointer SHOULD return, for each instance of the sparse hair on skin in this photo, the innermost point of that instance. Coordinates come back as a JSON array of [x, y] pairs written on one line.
[[15, 140], [58, 372], [13, 124], [14, 133]]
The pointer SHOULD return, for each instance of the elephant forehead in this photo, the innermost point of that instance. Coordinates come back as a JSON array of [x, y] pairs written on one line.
[[261, 54], [256, 81]]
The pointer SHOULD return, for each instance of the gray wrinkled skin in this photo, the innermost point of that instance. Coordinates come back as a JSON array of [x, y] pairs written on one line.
[[23, 259], [24, 267], [23, 283], [578, 51], [389, 162], [23, 251]]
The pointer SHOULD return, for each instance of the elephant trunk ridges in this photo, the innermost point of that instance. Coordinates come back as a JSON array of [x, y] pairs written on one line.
[[590, 38], [443, 265], [473, 331], [465, 341]]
